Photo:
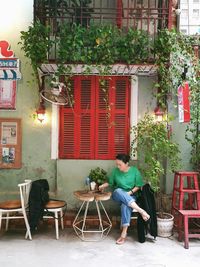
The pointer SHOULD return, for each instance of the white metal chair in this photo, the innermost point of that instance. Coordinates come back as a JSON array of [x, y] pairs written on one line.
[[16, 209]]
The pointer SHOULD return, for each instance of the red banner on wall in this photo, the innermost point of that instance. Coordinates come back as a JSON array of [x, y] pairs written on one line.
[[184, 103]]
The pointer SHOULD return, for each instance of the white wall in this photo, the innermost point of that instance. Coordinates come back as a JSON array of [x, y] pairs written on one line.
[[15, 15]]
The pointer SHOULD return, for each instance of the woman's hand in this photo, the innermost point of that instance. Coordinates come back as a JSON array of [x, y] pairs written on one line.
[[103, 186]]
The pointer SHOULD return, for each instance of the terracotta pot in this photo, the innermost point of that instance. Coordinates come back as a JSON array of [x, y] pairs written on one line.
[[165, 224]]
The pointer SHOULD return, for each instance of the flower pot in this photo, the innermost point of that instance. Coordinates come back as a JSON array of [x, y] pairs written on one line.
[[165, 224]]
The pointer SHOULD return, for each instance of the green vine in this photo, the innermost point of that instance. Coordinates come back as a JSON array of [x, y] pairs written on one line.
[[182, 66], [35, 43], [101, 46], [173, 52], [153, 147], [193, 128]]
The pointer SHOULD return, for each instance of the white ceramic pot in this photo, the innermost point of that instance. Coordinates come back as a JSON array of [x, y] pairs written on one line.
[[92, 186], [165, 225]]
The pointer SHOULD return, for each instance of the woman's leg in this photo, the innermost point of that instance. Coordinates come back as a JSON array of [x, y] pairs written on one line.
[[125, 222], [143, 213], [123, 235], [125, 215], [122, 196]]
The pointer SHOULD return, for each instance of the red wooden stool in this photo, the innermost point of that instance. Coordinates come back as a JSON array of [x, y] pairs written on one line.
[[186, 193], [188, 233]]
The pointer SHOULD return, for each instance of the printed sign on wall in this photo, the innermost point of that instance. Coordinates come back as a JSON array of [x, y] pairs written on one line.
[[184, 103], [9, 73]]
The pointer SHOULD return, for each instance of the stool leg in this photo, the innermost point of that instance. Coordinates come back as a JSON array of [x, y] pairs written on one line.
[[100, 218], [61, 219], [76, 218], [180, 228], [85, 216], [186, 238], [109, 221], [7, 220], [0, 219], [56, 224]]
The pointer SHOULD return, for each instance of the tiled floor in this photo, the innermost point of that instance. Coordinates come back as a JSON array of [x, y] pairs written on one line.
[[45, 251]]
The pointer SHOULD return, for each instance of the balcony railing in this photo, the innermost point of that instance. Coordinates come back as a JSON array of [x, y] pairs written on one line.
[[146, 15]]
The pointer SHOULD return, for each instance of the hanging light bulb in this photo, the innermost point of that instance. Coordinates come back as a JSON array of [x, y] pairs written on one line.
[[159, 113], [41, 112]]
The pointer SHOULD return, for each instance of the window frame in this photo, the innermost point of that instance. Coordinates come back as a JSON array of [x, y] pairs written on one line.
[[111, 155]]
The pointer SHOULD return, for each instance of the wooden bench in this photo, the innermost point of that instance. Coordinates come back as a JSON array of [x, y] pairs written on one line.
[[184, 227]]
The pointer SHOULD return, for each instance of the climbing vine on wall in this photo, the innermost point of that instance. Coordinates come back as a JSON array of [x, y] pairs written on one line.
[[177, 63]]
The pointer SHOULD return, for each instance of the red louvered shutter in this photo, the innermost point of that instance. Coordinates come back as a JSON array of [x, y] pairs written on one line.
[[112, 131], [87, 118], [67, 129], [77, 123], [102, 120], [121, 135], [86, 131]]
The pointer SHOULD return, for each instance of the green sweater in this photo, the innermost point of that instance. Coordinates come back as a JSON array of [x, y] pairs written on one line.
[[125, 180]]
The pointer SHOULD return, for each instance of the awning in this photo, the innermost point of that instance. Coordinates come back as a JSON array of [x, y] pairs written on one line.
[[10, 74], [116, 69]]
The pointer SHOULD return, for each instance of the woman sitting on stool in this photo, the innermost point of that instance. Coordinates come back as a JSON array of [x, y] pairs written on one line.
[[126, 181]]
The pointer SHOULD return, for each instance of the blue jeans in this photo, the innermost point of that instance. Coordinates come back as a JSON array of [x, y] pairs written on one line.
[[124, 199]]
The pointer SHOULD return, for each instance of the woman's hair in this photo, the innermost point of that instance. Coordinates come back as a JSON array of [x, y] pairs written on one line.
[[123, 157]]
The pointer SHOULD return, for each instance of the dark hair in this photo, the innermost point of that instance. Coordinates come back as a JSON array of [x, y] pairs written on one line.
[[123, 157]]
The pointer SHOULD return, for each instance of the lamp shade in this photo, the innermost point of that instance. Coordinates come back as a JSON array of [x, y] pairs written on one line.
[[41, 112], [159, 113]]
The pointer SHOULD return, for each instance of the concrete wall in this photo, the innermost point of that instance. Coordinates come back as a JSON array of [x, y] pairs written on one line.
[[36, 161], [64, 176]]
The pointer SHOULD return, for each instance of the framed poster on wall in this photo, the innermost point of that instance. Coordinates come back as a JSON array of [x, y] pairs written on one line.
[[8, 94], [10, 143]]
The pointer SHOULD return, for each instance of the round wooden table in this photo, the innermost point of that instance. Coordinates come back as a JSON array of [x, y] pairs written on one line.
[[96, 227]]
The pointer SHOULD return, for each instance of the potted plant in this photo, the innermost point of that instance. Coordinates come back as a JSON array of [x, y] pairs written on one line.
[[98, 175], [154, 150]]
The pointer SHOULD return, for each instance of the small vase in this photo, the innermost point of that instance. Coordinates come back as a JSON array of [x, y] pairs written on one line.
[[92, 186]]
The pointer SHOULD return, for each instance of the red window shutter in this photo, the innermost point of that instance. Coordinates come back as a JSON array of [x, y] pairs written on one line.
[[67, 128], [87, 118], [102, 120], [112, 131], [77, 123], [121, 135], [86, 131]]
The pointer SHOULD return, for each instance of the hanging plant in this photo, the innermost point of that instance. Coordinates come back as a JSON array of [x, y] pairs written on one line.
[[183, 65], [36, 44], [192, 134], [173, 51]]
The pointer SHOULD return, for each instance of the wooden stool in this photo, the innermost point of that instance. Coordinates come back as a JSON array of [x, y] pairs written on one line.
[[188, 233], [185, 184]]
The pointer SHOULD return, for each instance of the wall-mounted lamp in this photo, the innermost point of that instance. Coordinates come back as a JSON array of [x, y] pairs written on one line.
[[159, 113], [41, 112]]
